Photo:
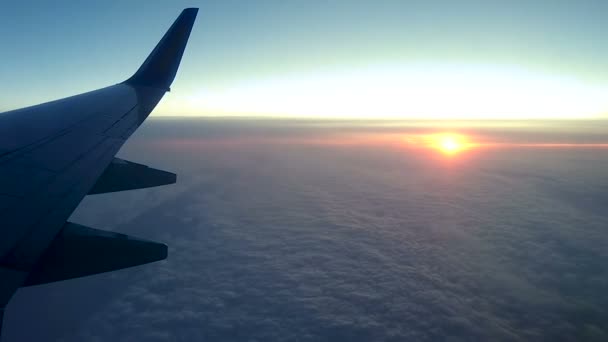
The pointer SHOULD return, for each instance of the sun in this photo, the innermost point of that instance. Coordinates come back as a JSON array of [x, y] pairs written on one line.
[[447, 143], [450, 144]]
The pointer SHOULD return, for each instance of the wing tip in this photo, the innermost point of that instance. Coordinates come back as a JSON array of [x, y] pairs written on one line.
[[189, 12], [160, 68]]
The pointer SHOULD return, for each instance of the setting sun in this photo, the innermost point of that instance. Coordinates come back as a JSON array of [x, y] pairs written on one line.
[[446, 143], [449, 144]]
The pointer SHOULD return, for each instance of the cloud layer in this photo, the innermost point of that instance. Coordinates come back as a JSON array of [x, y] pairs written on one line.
[[320, 243]]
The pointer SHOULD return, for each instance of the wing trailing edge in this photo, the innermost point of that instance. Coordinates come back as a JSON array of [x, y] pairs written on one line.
[[80, 251]]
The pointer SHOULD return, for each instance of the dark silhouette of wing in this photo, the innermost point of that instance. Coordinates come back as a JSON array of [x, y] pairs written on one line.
[[54, 154]]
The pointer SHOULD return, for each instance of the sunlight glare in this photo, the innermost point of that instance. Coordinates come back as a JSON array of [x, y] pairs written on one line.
[[427, 91]]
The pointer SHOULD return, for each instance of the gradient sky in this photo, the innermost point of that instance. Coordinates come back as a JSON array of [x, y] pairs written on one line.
[[363, 59]]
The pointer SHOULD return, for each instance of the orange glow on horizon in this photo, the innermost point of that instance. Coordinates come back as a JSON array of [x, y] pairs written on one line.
[[453, 144], [447, 143]]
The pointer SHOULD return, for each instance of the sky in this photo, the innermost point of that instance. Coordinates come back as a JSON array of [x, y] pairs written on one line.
[[323, 59]]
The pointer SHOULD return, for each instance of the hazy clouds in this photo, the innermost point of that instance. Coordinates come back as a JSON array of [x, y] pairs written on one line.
[[300, 242]]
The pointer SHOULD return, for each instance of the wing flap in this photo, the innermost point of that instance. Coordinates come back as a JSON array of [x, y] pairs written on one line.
[[80, 251], [123, 175]]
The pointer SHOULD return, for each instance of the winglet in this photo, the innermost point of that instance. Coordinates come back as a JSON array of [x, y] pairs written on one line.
[[159, 69]]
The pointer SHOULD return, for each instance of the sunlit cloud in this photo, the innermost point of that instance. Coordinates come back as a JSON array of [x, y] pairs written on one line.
[[418, 91]]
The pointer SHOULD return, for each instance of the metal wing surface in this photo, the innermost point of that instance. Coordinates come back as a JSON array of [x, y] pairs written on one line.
[[52, 155]]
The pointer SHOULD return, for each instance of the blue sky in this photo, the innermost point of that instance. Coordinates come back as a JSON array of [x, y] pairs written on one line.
[[319, 58]]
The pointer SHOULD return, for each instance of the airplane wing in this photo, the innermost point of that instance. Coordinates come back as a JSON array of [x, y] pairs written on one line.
[[54, 154]]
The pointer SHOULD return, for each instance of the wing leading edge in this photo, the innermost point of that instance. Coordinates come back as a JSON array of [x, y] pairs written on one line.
[[54, 154]]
